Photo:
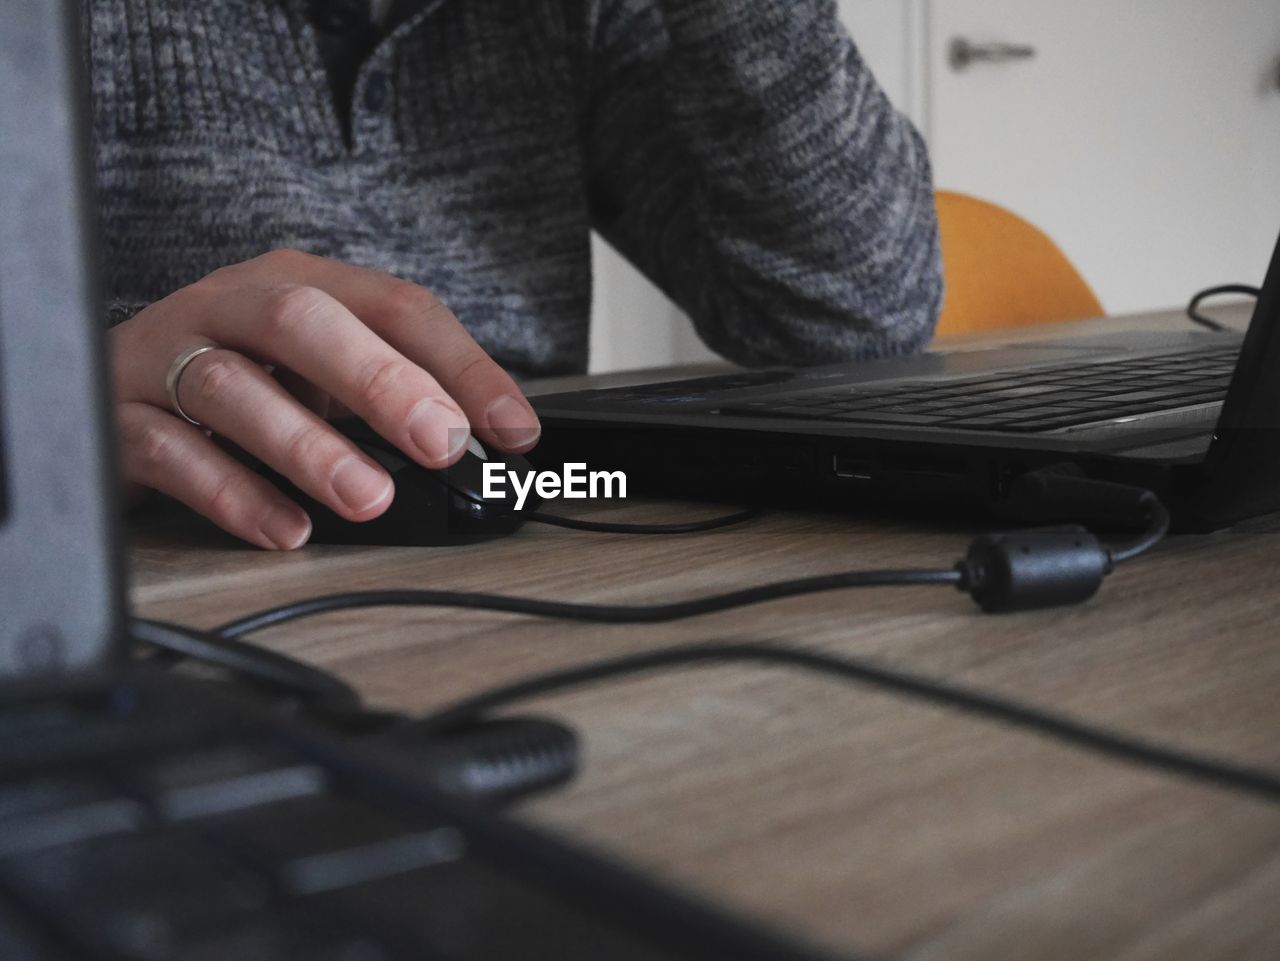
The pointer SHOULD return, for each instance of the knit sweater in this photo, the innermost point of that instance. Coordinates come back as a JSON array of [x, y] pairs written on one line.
[[738, 152]]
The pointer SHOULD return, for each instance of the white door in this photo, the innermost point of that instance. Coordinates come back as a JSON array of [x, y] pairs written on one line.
[[1142, 135]]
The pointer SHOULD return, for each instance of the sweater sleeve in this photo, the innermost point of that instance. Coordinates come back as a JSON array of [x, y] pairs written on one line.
[[118, 313], [744, 158]]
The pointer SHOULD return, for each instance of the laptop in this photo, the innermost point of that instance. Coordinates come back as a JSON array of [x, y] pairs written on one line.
[[144, 817], [1190, 415]]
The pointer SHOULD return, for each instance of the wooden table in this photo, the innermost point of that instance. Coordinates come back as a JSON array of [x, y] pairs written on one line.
[[856, 820]]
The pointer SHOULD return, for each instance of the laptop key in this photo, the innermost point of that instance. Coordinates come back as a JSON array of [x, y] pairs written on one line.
[[223, 778], [139, 895], [1140, 396], [21, 942], [291, 936], [987, 410], [894, 408], [982, 424], [1028, 390], [935, 407], [49, 794], [62, 809], [31, 736], [467, 909], [1038, 414], [1071, 395], [319, 843]]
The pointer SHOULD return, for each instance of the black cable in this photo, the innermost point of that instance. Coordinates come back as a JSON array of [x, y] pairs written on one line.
[[1193, 309], [1157, 531], [1022, 571], [591, 613], [1059, 727], [600, 527], [258, 664], [499, 761], [1017, 571]]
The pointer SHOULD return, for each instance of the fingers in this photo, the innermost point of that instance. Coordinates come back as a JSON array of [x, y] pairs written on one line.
[[167, 454], [239, 400], [342, 337], [308, 395], [417, 324], [427, 332], [322, 341]]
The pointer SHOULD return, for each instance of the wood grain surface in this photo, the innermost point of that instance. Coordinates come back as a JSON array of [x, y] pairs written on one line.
[[862, 822]]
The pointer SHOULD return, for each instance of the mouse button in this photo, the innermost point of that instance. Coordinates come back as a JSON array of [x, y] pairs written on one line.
[[358, 430], [392, 461], [468, 478]]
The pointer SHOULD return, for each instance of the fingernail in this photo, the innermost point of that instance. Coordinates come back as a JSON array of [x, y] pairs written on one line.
[[439, 431], [358, 485], [515, 424], [286, 526]]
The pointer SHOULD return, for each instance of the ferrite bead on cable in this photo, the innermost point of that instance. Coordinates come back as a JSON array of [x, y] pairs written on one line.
[[1034, 569]]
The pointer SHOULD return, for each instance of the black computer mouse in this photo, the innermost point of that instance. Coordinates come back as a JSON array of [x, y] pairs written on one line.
[[431, 508]]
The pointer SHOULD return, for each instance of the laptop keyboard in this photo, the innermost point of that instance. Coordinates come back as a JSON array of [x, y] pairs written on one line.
[[1030, 401], [208, 844]]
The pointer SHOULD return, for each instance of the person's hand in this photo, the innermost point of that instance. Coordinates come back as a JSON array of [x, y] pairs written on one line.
[[298, 338]]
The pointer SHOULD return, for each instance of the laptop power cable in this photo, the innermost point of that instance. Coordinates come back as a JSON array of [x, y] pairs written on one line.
[[1199, 317]]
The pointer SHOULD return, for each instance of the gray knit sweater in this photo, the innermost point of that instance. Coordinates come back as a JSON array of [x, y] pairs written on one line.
[[737, 151]]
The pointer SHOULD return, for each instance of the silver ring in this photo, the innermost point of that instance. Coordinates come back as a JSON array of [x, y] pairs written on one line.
[[174, 378]]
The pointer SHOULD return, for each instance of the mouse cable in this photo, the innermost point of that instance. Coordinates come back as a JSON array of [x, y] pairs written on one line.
[[1022, 570], [601, 527], [860, 671], [223, 646], [589, 613], [1194, 312], [1017, 571]]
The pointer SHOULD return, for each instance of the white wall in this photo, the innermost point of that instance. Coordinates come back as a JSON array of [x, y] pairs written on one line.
[[633, 324]]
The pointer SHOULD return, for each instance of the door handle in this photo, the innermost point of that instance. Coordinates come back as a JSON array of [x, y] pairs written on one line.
[[964, 53]]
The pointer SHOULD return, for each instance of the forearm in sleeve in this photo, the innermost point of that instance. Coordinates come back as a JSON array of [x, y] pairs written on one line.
[[746, 159]]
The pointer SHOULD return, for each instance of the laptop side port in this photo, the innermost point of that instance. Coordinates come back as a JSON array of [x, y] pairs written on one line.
[[849, 467]]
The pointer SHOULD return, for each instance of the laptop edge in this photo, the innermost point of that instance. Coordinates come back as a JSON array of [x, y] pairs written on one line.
[[1210, 478], [62, 592]]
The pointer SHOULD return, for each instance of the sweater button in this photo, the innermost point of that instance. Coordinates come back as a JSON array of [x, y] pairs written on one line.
[[375, 91]]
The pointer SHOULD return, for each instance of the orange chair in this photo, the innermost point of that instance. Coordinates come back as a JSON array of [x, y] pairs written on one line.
[[1002, 271]]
